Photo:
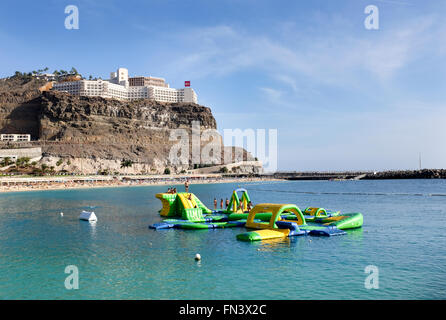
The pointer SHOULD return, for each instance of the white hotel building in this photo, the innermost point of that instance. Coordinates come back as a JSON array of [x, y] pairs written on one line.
[[121, 87], [15, 137]]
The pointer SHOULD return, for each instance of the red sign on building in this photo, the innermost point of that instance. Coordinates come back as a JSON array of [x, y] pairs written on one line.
[[187, 83]]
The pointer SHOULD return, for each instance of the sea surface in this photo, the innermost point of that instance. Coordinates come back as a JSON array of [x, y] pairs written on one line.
[[403, 238]]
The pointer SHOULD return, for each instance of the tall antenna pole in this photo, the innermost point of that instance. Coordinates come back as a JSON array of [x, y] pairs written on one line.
[[420, 160]]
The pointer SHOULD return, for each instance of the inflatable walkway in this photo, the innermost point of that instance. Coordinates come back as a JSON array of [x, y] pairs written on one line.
[[267, 220], [287, 220], [238, 204], [184, 205]]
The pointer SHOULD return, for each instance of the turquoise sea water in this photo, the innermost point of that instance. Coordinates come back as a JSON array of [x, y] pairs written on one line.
[[120, 258]]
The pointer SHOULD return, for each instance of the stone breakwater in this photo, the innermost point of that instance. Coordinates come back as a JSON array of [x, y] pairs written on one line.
[[408, 174], [364, 175]]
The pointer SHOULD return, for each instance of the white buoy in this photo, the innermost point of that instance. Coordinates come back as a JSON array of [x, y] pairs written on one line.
[[197, 257], [88, 216], [61, 214]]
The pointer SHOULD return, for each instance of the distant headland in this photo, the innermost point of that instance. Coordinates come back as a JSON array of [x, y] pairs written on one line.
[[62, 124]]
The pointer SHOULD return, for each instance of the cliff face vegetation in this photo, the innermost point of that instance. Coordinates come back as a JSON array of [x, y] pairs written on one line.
[[93, 134]]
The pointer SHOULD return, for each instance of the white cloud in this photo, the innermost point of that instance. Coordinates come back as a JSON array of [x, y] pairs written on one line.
[[397, 49], [326, 59], [300, 66], [272, 94]]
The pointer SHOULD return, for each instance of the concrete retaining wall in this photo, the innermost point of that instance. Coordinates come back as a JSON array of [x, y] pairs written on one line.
[[14, 154]]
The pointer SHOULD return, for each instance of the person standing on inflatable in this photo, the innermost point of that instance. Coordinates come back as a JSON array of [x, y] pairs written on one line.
[[215, 203], [186, 185], [249, 206]]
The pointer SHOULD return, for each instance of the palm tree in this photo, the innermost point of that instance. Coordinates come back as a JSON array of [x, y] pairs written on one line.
[[6, 161], [23, 162], [73, 71], [125, 163], [19, 162], [45, 169]]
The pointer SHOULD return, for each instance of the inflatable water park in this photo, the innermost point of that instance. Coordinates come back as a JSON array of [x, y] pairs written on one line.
[[263, 221]]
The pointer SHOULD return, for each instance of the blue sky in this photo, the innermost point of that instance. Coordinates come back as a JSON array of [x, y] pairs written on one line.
[[340, 96]]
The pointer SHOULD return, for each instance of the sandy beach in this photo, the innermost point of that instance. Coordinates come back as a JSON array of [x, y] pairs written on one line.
[[21, 184]]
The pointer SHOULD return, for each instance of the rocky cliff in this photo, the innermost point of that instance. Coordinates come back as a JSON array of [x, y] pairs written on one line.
[[93, 134], [20, 106]]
